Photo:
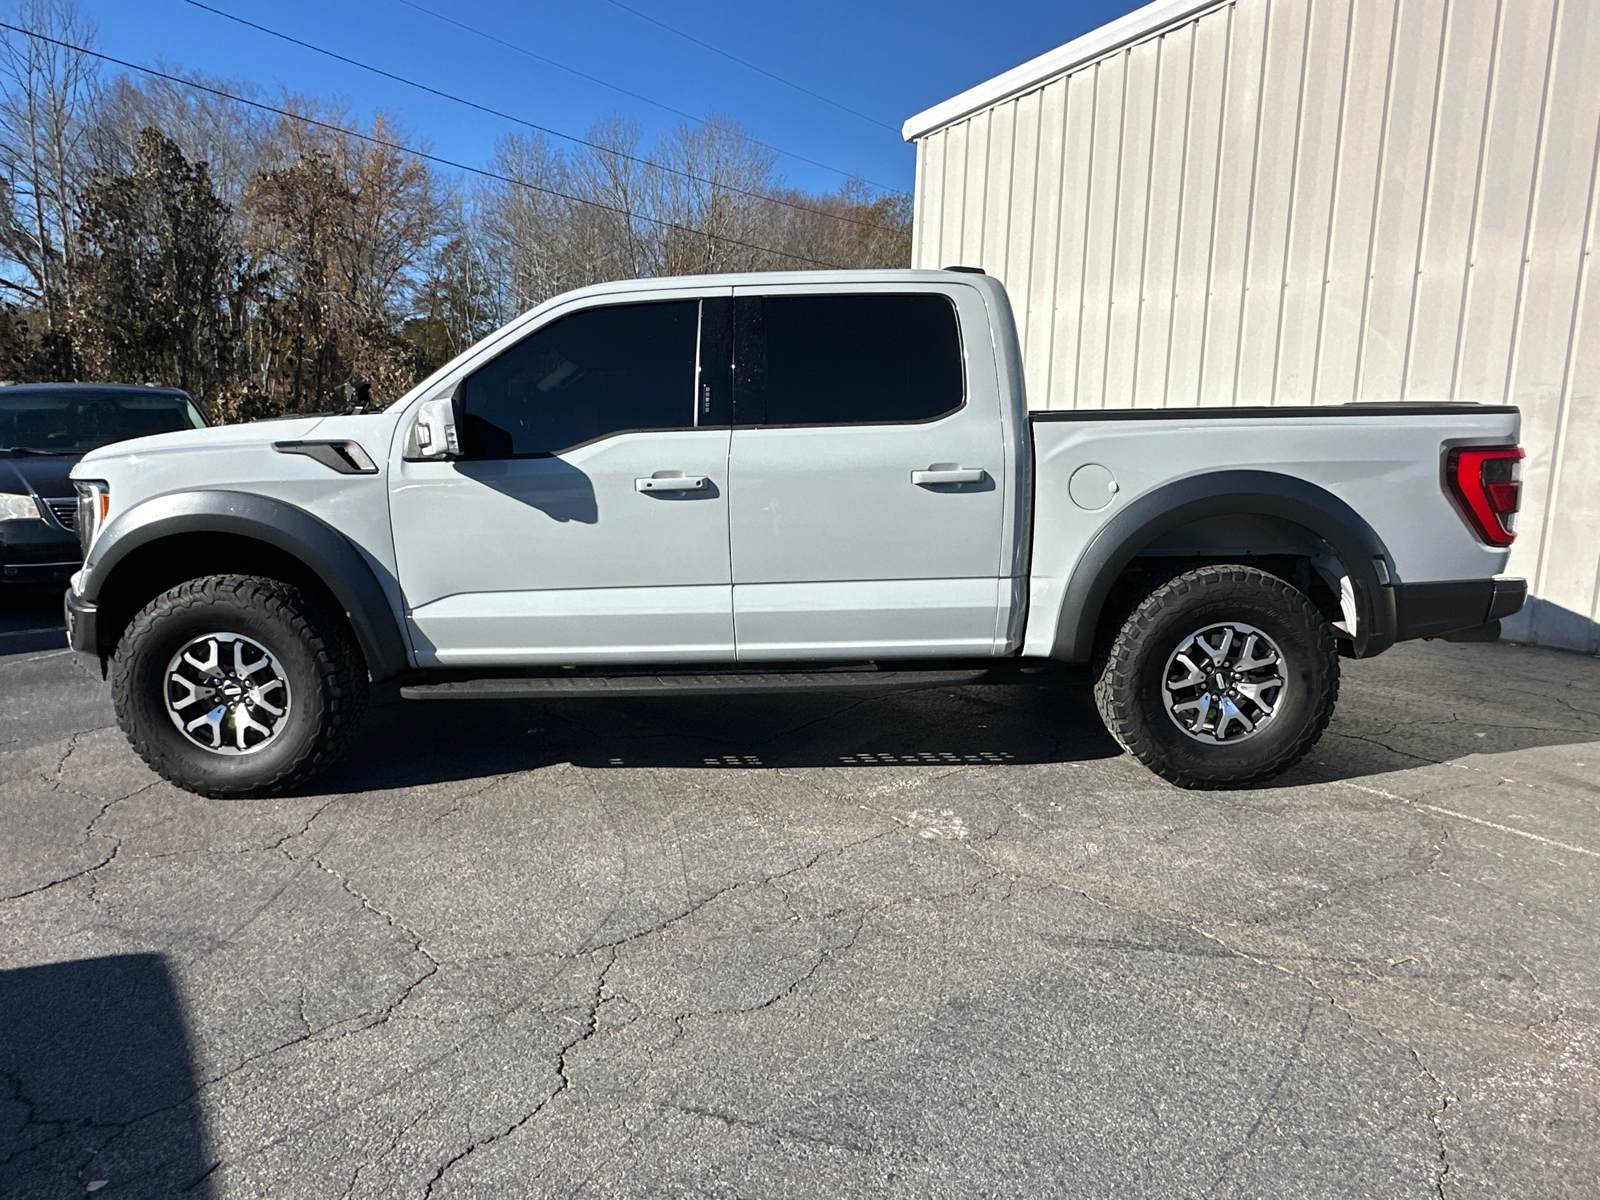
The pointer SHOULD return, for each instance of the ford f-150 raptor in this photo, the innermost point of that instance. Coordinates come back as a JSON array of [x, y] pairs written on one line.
[[810, 480]]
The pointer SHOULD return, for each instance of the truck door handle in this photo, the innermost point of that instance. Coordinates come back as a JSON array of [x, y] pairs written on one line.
[[672, 483], [936, 475]]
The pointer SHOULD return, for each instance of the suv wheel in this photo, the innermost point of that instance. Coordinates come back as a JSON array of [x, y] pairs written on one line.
[[234, 686], [1221, 677]]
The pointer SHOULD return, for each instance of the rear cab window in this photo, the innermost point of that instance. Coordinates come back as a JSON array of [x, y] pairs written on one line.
[[847, 359]]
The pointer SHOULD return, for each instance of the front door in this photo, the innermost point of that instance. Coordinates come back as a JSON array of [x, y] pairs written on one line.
[[868, 475], [587, 520]]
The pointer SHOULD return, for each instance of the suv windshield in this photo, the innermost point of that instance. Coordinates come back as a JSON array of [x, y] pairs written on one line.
[[77, 420]]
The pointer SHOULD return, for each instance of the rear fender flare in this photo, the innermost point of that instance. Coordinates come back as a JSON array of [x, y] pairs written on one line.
[[1226, 493]]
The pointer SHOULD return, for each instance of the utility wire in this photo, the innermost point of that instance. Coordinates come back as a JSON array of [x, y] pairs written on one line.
[[677, 112], [765, 197], [752, 66], [404, 149]]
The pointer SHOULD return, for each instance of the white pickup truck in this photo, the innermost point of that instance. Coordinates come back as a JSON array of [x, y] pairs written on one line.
[[750, 482]]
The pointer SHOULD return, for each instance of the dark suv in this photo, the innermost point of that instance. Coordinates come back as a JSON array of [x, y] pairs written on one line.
[[44, 429]]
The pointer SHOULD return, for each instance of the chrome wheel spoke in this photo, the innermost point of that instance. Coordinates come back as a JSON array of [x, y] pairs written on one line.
[[1231, 715], [243, 686], [1248, 661], [192, 692], [243, 671], [210, 664], [208, 723], [244, 724], [1192, 673], [1220, 652], [1253, 693], [259, 700]]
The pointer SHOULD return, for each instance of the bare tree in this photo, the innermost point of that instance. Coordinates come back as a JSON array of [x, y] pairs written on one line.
[[610, 236], [520, 219], [46, 95], [231, 138], [342, 228], [710, 187]]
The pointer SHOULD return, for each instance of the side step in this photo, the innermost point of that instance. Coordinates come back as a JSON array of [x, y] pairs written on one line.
[[729, 683]]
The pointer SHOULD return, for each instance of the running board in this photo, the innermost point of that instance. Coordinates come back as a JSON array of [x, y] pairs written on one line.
[[708, 684]]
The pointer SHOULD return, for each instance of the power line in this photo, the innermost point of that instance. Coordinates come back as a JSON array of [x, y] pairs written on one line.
[[677, 112], [752, 66], [505, 116], [404, 149]]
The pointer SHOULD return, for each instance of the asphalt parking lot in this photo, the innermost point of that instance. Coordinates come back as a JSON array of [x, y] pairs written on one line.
[[948, 943]]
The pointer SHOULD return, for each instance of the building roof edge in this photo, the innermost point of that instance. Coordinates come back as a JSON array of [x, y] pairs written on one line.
[[1133, 27]]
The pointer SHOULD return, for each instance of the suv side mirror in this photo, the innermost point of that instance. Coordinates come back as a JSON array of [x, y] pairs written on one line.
[[432, 435]]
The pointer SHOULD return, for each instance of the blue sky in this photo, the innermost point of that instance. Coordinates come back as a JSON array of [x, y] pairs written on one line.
[[886, 60]]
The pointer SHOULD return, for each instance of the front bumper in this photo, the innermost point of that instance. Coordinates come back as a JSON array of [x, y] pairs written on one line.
[[82, 628], [49, 572], [1425, 610], [37, 552]]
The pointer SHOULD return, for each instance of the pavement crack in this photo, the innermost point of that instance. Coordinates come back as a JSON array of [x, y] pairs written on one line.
[[694, 906], [54, 883], [304, 829], [823, 955], [1357, 1023], [861, 1146], [72, 744], [803, 726], [587, 1029], [1229, 1158], [88, 833], [416, 940]]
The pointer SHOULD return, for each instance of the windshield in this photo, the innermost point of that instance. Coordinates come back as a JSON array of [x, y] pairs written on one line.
[[75, 421]]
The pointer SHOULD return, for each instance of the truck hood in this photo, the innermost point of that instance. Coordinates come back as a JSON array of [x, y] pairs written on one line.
[[41, 475], [253, 435]]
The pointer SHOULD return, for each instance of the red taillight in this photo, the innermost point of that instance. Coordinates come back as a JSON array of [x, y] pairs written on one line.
[[1484, 480]]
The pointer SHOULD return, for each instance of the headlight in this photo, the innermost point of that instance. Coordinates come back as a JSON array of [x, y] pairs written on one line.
[[94, 502], [19, 508]]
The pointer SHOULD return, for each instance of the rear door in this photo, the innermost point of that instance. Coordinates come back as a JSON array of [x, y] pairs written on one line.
[[867, 474]]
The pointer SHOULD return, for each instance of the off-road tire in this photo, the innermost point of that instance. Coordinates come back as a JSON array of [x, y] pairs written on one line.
[[325, 671], [1129, 676]]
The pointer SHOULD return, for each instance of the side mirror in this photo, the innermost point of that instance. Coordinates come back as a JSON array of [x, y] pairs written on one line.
[[432, 435]]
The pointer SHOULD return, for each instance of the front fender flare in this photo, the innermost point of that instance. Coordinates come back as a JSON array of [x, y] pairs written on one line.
[[1225, 493], [348, 573]]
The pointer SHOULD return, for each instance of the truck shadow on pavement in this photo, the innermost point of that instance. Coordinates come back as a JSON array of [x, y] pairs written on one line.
[[1419, 704], [96, 1082], [405, 744]]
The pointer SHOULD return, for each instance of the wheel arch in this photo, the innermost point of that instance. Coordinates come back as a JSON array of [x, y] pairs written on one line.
[[1278, 503], [184, 535]]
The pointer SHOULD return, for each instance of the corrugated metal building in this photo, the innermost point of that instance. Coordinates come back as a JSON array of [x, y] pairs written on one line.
[[1306, 201]]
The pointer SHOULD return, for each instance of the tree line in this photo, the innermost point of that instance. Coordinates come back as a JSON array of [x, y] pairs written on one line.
[[164, 230]]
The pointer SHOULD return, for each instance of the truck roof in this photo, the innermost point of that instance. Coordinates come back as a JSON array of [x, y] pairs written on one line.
[[759, 279]]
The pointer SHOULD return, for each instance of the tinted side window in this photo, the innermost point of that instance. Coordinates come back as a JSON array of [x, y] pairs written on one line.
[[863, 359], [597, 372]]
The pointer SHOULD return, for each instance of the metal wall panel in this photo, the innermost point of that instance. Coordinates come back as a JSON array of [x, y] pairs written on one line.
[[1313, 201]]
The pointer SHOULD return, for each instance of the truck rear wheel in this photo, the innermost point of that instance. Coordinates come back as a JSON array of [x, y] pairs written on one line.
[[234, 686], [1221, 677]]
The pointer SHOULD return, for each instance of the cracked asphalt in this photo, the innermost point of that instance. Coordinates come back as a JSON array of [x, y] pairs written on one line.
[[948, 943]]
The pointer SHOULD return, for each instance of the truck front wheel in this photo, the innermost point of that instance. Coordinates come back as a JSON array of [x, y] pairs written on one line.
[[1221, 677], [235, 686]]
